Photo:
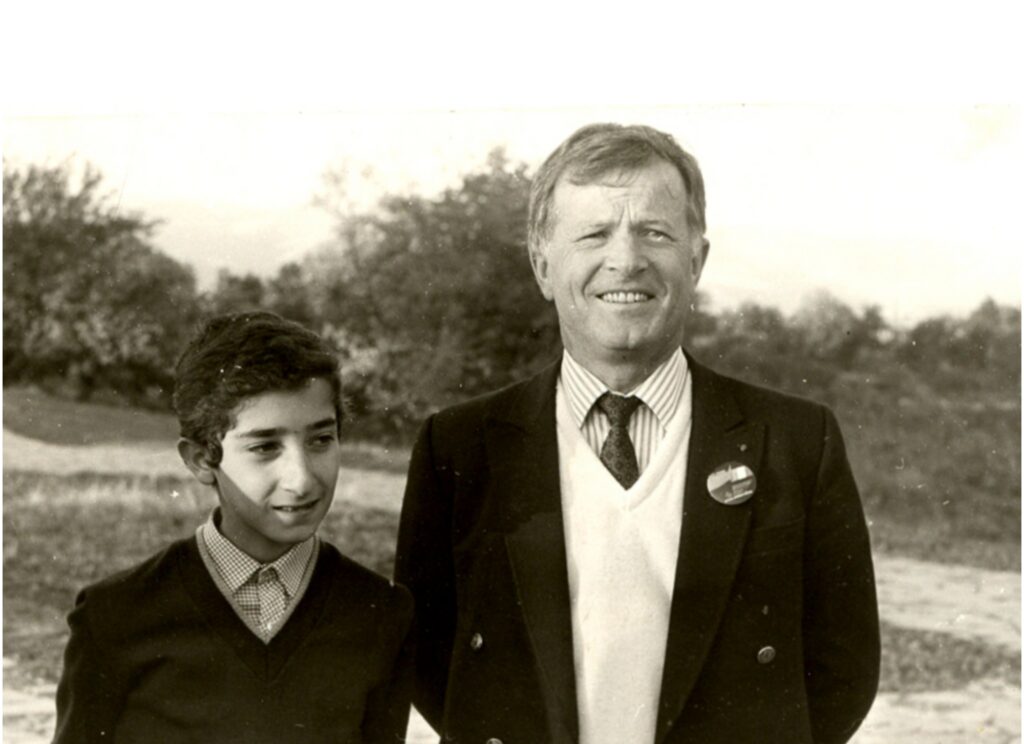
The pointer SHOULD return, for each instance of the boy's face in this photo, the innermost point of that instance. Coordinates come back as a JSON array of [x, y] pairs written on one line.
[[277, 475]]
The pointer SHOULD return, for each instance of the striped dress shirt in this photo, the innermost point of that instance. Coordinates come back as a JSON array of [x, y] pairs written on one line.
[[661, 393], [242, 579]]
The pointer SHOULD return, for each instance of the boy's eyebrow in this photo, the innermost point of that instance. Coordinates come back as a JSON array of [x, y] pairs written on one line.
[[277, 431]]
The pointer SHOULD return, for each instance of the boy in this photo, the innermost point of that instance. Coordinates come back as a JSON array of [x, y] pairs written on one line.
[[253, 630]]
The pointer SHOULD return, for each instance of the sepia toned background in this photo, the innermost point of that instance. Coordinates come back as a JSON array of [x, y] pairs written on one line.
[[864, 253]]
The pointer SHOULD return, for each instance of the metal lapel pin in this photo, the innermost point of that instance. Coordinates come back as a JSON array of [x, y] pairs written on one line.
[[732, 483]]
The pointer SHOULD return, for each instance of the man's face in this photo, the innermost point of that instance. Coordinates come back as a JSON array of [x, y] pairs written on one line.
[[280, 465], [621, 264]]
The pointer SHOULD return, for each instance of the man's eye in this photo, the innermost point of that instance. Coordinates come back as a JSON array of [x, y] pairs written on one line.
[[596, 235], [657, 235]]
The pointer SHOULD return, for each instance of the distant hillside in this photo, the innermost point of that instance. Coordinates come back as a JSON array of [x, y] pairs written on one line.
[[38, 415], [936, 451]]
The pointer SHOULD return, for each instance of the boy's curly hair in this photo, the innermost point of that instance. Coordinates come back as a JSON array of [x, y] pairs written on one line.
[[238, 355]]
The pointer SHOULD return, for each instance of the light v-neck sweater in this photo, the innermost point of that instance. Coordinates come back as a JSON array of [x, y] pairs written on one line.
[[621, 549]]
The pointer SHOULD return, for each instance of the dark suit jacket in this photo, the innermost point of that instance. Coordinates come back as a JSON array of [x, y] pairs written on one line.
[[158, 655], [481, 546]]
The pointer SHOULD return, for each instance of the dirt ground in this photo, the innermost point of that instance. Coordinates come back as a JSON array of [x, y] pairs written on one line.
[[968, 603]]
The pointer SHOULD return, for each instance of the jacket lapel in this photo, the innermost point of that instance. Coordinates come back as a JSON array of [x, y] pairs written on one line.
[[522, 448], [711, 539]]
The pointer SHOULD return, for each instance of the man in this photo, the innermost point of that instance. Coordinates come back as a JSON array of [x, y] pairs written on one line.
[[629, 547]]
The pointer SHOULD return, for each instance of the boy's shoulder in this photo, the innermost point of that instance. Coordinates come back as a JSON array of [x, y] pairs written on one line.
[[149, 576], [360, 585], [145, 593]]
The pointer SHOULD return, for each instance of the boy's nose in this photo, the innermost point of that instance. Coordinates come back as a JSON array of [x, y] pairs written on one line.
[[297, 474]]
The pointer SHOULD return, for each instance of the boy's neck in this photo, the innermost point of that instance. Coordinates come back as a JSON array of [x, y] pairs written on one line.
[[263, 557]]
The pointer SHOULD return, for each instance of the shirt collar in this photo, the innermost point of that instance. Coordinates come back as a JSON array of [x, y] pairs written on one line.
[[662, 391], [237, 567]]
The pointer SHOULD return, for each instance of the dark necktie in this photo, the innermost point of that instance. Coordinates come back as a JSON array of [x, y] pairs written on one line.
[[617, 452]]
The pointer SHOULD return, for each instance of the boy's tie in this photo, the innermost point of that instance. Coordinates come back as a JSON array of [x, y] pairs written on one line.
[[272, 598], [617, 452]]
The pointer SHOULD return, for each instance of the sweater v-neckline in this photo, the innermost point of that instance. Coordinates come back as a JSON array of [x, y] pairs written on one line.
[[633, 497], [265, 660]]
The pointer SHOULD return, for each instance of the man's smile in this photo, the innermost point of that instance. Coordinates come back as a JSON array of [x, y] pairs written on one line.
[[624, 298]]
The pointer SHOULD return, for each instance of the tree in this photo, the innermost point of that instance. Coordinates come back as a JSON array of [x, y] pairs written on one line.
[[235, 293], [831, 330], [440, 289], [287, 294], [990, 339], [86, 297]]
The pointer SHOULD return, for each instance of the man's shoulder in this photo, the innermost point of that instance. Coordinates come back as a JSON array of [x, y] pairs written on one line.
[[512, 401], [754, 399]]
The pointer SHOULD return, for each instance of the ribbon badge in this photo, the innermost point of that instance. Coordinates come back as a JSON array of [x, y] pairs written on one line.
[[732, 483]]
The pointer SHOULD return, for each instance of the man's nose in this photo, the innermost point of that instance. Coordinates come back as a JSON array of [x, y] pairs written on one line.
[[625, 253]]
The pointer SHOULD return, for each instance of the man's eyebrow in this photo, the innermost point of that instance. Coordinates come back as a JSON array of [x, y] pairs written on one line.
[[658, 215], [591, 225], [653, 222], [324, 423]]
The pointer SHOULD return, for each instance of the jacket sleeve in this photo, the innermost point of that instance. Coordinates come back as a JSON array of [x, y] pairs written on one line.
[[424, 564], [387, 707], [89, 695], [841, 634]]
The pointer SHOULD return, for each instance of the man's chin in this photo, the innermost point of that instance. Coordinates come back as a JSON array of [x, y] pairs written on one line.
[[630, 340]]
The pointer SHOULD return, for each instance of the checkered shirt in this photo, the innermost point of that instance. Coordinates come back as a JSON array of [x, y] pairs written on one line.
[[261, 593]]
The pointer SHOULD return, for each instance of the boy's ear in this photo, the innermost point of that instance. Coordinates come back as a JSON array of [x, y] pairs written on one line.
[[194, 456]]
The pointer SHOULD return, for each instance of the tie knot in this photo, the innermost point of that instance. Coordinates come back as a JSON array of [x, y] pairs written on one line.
[[618, 408], [266, 574]]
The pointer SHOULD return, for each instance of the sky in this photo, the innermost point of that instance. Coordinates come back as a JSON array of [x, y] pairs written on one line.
[[897, 185]]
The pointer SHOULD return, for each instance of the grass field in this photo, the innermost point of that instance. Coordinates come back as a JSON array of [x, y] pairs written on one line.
[[62, 532], [36, 415], [977, 525]]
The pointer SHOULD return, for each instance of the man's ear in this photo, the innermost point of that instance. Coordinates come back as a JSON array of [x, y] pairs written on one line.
[[539, 262], [195, 458], [699, 258]]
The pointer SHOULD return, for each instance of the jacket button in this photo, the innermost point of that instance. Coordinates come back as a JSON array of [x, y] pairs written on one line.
[[476, 643], [766, 655]]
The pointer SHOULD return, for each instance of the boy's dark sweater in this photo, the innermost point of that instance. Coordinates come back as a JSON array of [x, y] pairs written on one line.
[[157, 654]]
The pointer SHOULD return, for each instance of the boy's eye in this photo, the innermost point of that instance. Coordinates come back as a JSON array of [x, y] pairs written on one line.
[[324, 440], [265, 448]]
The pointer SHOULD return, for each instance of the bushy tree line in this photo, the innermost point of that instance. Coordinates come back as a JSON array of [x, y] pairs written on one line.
[[825, 341], [429, 300], [88, 304]]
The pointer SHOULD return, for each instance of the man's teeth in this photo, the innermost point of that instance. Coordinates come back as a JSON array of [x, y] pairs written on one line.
[[625, 297]]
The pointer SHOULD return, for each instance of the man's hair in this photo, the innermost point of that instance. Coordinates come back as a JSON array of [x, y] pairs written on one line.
[[598, 149], [236, 356]]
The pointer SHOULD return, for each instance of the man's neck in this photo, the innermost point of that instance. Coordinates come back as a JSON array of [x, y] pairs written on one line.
[[621, 375]]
